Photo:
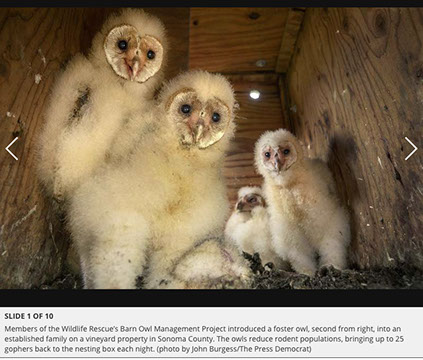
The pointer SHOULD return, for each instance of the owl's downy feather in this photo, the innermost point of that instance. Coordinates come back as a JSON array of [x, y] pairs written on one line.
[[93, 100]]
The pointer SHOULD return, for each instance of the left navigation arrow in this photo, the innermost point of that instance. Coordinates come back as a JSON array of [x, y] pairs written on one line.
[[8, 146]]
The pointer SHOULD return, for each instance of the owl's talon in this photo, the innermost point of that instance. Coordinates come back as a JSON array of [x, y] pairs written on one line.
[[58, 193]]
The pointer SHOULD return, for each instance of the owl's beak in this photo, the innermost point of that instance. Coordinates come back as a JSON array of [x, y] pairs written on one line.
[[134, 66], [199, 130], [278, 160], [277, 164]]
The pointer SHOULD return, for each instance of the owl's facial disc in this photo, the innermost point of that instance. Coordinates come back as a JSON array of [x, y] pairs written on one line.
[[248, 202], [199, 124], [280, 158], [131, 56]]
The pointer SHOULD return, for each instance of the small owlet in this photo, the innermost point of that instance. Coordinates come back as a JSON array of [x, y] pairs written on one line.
[[248, 227], [306, 217], [94, 99]]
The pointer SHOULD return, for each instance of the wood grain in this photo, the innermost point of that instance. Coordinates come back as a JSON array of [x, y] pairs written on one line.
[[35, 44], [356, 90], [253, 118], [284, 97], [233, 39], [289, 38], [176, 21]]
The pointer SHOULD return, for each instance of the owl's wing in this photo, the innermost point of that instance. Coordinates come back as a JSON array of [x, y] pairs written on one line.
[[69, 100], [81, 104], [72, 90]]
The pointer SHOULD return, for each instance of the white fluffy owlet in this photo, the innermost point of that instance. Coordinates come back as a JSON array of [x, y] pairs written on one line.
[[248, 227], [306, 217], [157, 208], [96, 97]]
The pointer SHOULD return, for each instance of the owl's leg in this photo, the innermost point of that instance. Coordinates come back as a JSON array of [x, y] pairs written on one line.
[[291, 244], [302, 259], [58, 190], [163, 260], [333, 246], [115, 255], [87, 276]]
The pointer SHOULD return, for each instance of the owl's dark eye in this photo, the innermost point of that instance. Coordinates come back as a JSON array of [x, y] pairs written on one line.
[[216, 117], [151, 54], [186, 109], [122, 44], [286, 151], [267, 154], [252, 199]]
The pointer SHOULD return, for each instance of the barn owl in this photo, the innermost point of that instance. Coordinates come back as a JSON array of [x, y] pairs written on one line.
[[248, 227], [90, 113], [306, 217], [166, 199]]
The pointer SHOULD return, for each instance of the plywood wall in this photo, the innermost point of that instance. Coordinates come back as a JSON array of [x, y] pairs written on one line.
[[35, 44], [356, 91], [234, 39]]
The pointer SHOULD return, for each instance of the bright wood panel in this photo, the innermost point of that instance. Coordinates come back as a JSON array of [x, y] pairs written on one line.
[[233, 39]]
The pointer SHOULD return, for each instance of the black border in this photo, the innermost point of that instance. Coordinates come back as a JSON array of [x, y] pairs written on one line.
[[211, 298], [211, 3]]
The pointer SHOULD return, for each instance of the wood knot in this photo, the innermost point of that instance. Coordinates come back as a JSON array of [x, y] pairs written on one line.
[[17, 133], [254, 15], [326, 118], [345, 23], [195, 22], [380, 24]]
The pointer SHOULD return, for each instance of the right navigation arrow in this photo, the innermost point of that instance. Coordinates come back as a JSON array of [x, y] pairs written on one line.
[[414, 146]]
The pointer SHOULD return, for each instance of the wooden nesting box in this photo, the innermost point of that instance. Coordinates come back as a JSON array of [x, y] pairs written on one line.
[[347, 82]]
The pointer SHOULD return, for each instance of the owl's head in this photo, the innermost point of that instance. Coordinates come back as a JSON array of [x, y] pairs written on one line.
[[276, 152], [133, 43], [201, 106], [248, 198]]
